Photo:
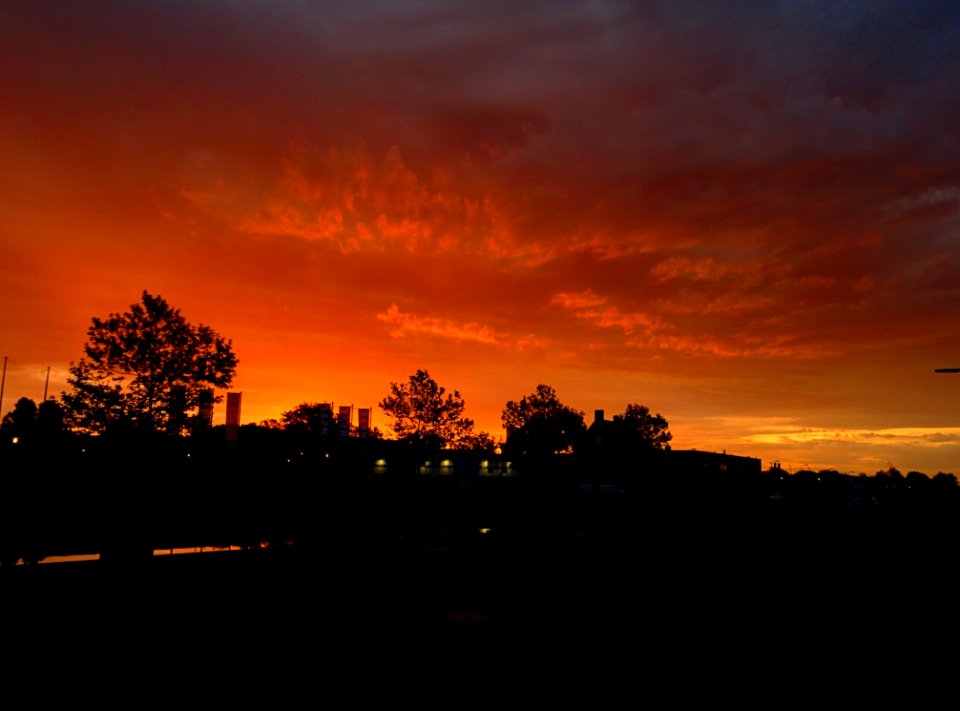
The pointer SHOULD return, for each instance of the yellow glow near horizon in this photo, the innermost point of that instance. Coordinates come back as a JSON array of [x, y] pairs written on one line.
[[916, 436]]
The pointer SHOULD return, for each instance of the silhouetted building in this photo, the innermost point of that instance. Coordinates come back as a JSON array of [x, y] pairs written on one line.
[[613, 459], [694, 461], [600, 429]]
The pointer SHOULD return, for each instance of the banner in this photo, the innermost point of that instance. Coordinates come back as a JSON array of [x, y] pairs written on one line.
[[344, 419], [363, 420], [206, 407], [233, 416], [326, 414]]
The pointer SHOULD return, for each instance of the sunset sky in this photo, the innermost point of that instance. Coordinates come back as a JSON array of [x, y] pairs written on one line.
[[743, 215]]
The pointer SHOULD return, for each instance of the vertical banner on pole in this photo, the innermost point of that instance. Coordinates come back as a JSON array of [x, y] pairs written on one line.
[[363, 421], [206, 408], [326, 414], [344, 418], [233, 416]]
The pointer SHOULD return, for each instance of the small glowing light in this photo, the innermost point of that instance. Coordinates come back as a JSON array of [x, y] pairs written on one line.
[[381, 463], [16, 439], [485, 531], [446, 463]]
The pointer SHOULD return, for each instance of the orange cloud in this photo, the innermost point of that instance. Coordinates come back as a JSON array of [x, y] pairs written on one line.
[[652, 332], [738, 345], [592, 307], [361, 204], [405, 324], [684, 267]]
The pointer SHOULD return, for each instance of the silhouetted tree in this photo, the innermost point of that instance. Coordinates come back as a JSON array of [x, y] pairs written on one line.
[[309, 416], [478, 442], [890, 482], [424, 415], [617, 451], [21, 420], [891, 474], [944, 481], [49, 430], [147, 367], [539, 424], [637, 428], [917, 480], [50, 417]]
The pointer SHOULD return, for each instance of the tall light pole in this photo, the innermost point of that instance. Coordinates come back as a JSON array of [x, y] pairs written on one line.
[[3, 381], [946, 370]]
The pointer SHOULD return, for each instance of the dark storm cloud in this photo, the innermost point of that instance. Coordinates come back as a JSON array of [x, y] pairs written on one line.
[[803, 153]]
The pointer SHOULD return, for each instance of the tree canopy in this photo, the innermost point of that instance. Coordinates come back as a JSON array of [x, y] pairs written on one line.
[[539, 424], [20, 421], [637, 427], [424, 413], [310, 416], [148, 367]]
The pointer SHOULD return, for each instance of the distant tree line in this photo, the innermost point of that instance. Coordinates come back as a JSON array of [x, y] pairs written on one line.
[[149, 369]]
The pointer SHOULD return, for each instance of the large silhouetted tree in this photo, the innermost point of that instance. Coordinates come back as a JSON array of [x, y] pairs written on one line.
[[146, 367], [425, 414], [539, 424]]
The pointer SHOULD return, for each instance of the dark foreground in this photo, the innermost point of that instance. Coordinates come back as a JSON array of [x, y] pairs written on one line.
[[738, 607]]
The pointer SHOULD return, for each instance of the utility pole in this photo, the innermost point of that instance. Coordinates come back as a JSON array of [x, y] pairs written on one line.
[[946, 370], [46, 384], [3, 381]]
